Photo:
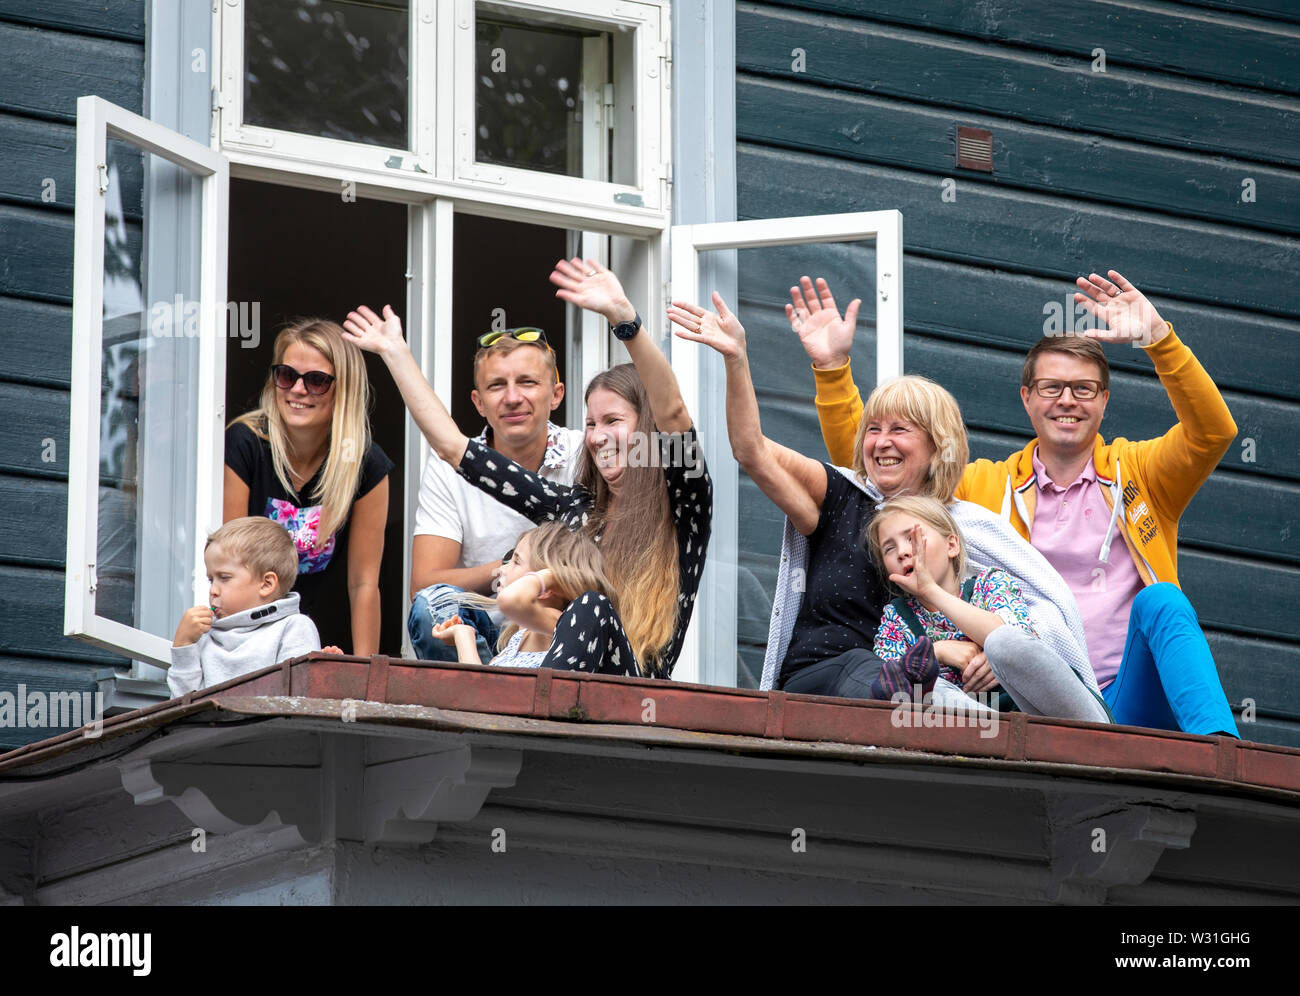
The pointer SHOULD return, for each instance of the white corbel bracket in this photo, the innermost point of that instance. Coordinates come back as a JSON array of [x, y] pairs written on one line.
[[1096, 845], [401, 801]]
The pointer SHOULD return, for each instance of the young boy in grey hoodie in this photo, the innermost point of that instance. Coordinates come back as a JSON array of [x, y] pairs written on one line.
[[253, 620]]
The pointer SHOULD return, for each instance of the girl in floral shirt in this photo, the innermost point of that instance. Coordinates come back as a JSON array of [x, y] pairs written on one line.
[[975, 634]]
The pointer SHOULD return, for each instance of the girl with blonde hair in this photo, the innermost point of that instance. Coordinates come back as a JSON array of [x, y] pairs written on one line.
[[972, 632], [305, 458], [562, 609], [642, 492]]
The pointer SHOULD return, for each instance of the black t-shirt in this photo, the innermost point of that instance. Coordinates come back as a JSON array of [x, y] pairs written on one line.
[[845, 596], [322, 574]]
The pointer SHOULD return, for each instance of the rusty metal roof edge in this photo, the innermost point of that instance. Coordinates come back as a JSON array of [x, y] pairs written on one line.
[[292, 708]]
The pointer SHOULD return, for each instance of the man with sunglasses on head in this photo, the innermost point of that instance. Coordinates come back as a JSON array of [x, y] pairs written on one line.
[[1105, 515], [461, 533]]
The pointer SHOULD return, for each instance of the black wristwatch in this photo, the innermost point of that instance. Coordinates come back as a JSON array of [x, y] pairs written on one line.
[[628, 330]]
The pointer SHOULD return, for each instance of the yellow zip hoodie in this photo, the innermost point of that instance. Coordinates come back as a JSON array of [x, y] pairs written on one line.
[[1148, 483]]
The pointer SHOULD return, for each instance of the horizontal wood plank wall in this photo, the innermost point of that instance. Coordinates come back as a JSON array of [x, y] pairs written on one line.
[[50, 54], [1140, 168]]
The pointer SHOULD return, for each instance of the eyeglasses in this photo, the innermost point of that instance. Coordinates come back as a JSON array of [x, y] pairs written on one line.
[[1082, 390], [315, 381], [508, 555], [527, 333]]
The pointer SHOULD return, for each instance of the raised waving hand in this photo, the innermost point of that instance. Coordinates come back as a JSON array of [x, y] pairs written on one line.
[[1125, 310], [367, 330], [720, 330], [592, 287], [815, 318]]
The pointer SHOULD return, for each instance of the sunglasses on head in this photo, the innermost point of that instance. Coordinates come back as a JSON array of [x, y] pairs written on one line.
[[315, 381], [527, 333], [507, 557]]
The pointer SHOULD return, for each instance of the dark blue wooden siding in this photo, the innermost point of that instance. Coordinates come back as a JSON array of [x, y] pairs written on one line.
[[1139, 168], [48, 58]]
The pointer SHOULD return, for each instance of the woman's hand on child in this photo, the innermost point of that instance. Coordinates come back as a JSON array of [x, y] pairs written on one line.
[[367, 330], [194, 624], [977, 675], [592, 287], [720, 330]]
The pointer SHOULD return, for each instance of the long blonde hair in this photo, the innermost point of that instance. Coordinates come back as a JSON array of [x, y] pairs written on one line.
[[929, 510], [639, 543], [574, 560], [349, 426], [934, 411]]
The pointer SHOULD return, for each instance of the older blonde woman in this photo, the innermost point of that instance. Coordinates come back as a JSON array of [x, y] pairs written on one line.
[[829, 597]]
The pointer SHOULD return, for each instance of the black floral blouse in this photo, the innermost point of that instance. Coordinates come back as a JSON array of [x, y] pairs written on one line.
[[690, 500]]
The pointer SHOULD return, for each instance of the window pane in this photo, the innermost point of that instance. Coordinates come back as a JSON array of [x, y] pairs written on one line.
[[147, 449], [784, 386], [535, 107], [333, 68]]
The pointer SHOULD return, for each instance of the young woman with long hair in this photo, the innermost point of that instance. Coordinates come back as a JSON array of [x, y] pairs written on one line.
[[643, 491], [562, 609], [304, 458]]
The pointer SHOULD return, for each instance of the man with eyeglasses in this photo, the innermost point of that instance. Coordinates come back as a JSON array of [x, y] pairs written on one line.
[[460, 532], [1105, 515]]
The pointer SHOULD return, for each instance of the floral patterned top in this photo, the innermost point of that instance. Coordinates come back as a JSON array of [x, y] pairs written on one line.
[[322, 564], [995, 590]]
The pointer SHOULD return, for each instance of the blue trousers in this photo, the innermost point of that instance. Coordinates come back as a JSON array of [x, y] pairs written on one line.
[[1167, 679], [438, 603]]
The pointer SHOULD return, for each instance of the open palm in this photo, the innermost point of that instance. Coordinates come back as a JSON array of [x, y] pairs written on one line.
[[815, 318], [720, 330], [589, 285], [1125, 310], [374, 334]]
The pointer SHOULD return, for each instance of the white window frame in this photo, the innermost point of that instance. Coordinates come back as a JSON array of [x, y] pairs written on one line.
[[441, 162], [688, 242], [97, 121], [650, 64], [424, 179]]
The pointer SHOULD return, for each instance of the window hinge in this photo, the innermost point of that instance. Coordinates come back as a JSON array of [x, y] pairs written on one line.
[[217, 102], [609, 99], [91, 578], [102, 170]]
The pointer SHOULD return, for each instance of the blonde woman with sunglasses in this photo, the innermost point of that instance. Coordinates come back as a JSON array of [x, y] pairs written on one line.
[[304, 458]]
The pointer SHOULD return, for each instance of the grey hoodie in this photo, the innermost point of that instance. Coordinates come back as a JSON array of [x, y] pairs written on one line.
[[248, 640]]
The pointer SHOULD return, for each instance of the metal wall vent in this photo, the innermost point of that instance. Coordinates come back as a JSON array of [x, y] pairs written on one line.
[[975, 149]]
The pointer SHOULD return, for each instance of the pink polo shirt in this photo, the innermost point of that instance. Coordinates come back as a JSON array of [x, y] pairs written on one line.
[[1069, 528]]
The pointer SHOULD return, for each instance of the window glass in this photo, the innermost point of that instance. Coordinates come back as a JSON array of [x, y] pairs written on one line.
[[538, 98], [332, 68], [147, 411]]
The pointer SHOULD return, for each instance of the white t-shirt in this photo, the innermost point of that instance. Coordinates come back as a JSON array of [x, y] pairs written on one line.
[[485, 529]]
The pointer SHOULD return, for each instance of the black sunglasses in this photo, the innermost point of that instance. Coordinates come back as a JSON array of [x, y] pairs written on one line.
[[527, 333], [315, 381], [508, 554]]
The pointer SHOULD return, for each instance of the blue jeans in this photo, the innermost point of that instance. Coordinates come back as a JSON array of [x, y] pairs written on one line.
[[1167, 679], [438, 603]]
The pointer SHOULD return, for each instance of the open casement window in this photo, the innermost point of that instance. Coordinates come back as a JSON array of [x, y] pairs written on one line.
[[523, 105], [148, 369], [711, 649]]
